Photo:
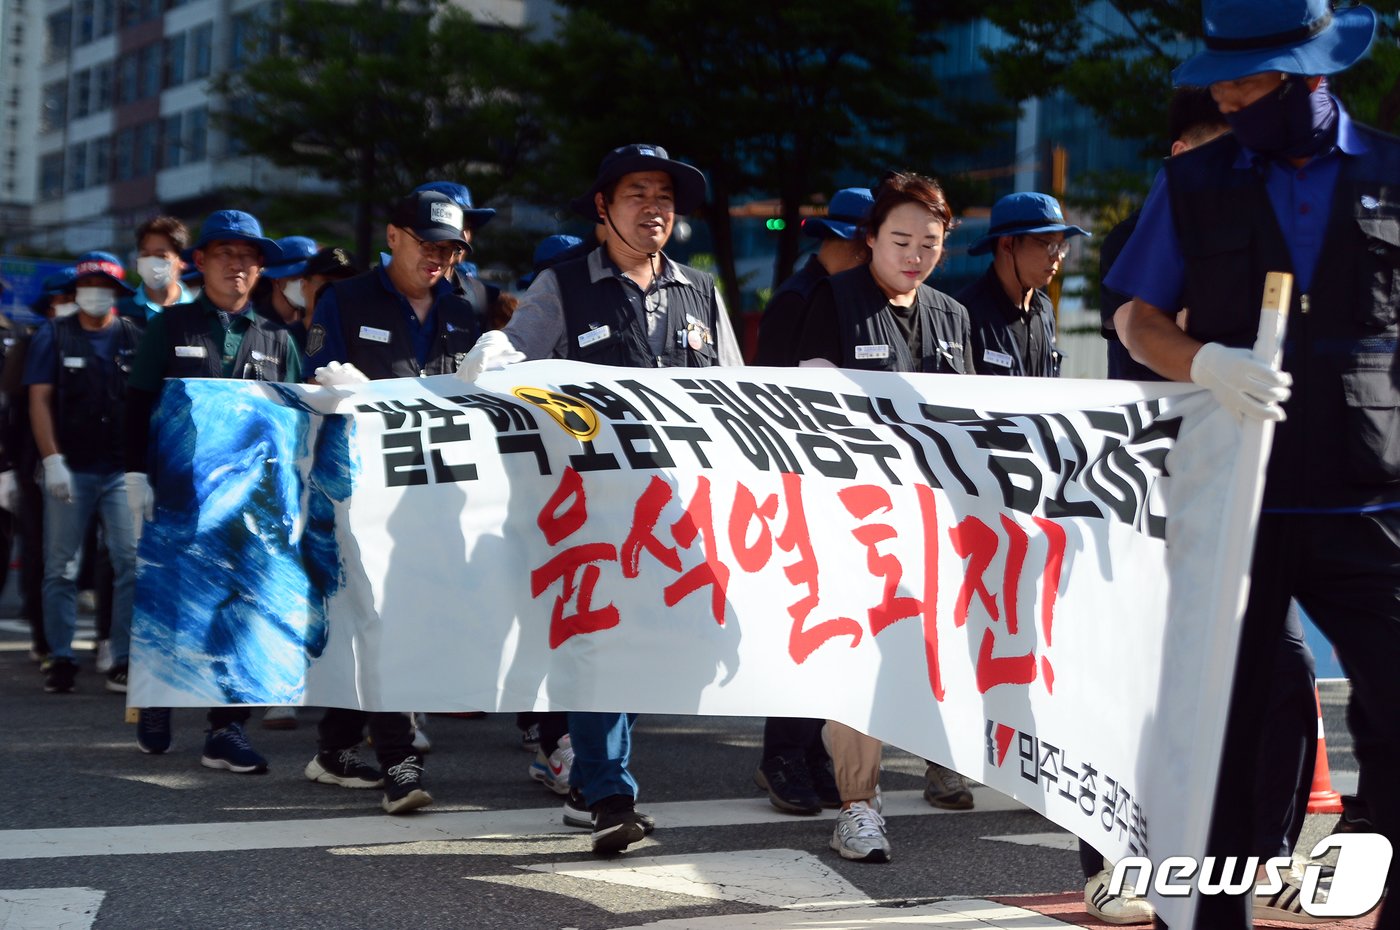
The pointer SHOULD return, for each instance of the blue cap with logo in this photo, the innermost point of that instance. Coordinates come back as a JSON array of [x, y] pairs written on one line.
[[475, 217], [849, 208], [295, 252], [106, 265], [1307, 37], [237, 226], [1024, 214]]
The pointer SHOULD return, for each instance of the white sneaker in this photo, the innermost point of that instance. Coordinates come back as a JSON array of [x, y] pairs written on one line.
[[104, 656], [421, 743], [1286, 904], [552, 771], [1122, 909], [860, 834]]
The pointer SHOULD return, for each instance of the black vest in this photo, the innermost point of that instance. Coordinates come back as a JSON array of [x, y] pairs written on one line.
[[1340, 444], [589, 307], [89, 395], [985, 299], [780, 327], [195, 353], [871, 340], [368, 306]]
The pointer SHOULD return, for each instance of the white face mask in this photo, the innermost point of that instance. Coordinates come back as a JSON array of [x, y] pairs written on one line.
[[96, 301], [294, 293], [62, 310], [153, 271]]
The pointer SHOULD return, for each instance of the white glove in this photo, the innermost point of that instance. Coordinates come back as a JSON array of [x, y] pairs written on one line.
[[140, 499], [1240, 382], [492, 352], [337, 374], [58, 480], [9, 492]]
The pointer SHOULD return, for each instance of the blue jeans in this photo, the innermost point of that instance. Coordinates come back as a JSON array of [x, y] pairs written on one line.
[[602, 748], [65, 525]]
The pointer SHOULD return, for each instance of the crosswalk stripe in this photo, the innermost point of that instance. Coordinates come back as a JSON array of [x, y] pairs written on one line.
[[1056, 840], [953, 914], [49, 908]]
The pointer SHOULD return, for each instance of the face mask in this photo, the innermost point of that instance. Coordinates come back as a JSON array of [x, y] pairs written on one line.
[[96, 301], [1289, 122], [153, 271], [62, 310], [294, 294]]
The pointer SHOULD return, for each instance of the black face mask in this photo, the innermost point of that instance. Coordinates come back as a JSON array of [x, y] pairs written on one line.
[[1289, 122]]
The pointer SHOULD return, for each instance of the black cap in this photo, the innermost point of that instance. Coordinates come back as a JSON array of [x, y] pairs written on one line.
[[332, 263], [688, 182], [430, 216]]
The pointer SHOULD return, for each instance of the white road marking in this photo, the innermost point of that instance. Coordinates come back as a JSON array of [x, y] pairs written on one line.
[[49, 908], [783, 878], [1056, 840], [956, 914], [373, 830]]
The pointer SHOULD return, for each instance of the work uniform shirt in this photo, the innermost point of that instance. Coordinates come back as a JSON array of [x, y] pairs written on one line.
[[991, 310], [537, 328], [329, 339], [41, 366], [141, 307]]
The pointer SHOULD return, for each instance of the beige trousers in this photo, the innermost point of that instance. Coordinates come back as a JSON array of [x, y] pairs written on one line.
[[856, 759]]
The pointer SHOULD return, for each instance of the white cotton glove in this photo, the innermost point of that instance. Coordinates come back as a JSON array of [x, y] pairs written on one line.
[[1240, 382], [140, 499], [58, 480], [815, 363], [337, 374], [9, 492], [492, 352]]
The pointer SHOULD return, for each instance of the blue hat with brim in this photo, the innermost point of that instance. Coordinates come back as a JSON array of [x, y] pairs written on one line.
[[105, 265], [474, 216], [849, 208], [62, 281], [1306, 37], [237, 226], [687, 181], [1025, 214], [295, 252], [550, 251]]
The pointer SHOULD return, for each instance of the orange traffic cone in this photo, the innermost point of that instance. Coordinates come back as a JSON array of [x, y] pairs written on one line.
[[1322, 799]]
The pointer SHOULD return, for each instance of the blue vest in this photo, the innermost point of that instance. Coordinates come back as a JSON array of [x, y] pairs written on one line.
[[365, 302], [1340, 444], [89, 396]]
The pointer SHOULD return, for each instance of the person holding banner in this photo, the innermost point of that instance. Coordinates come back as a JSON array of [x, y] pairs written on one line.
[[625, 304], [1296, 187], [881, 316], [218, 335]]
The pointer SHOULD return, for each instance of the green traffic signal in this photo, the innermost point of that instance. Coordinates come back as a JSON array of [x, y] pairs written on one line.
[[776, 224]]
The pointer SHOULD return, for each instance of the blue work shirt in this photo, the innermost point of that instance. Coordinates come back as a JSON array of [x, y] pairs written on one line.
[[1152, 267], [333, 347]]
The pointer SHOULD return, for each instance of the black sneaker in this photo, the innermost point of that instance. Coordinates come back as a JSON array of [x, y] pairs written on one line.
[[228, 748], [824, 781], [788, 784], [577, 814], [1356, 816], [116, 679], [403, 787], [344, 768], [59, 675], [616, 825], [153, 730]]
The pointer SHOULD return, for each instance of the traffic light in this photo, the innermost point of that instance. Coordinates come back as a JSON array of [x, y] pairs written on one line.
[[776, 224]]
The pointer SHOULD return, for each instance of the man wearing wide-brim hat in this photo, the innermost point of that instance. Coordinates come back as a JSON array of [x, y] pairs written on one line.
[[1013, 321], [1296, 187], [624, 304]]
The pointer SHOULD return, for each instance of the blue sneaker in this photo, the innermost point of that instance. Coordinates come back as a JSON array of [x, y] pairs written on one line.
[[153, 730], [228, 748]]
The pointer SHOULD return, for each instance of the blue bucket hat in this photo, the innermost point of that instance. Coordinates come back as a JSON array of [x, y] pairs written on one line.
[[62, 281], [295, 251], [687, 180], [1306, 37], [475, 217], [1024, 214], [550, 252], [849, 208], [235, 225], [106, 265]]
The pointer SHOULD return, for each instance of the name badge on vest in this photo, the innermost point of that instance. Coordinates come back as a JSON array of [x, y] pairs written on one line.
[[190, 352], [993, 357], [866, 352], [74, 361], [594, 336], [374, 335]]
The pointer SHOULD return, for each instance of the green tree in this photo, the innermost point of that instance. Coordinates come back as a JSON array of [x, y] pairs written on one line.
[[764, 96], [379, 96]]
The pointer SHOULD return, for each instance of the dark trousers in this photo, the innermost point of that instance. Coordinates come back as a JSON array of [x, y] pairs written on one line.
[[1344, 571], [793, 738], [220, 717], [391, 732], [31, 556], [553, 724]]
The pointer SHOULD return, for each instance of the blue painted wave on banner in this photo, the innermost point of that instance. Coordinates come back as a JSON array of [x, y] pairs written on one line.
[[241, 558]]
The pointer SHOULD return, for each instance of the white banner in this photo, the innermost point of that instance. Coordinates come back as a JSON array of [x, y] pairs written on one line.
[[1019, 583]]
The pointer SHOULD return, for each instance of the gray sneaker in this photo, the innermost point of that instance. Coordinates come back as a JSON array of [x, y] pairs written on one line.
[[860, 834], [947, 789]]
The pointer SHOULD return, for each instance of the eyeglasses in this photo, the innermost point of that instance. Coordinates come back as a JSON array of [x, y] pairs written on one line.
[[1055, 250], [441, 251]]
